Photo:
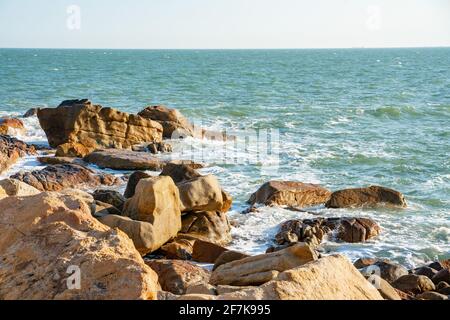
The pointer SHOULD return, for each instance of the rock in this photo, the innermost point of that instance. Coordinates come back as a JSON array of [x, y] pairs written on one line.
[[174, 124], [206, 252], [329, 278], [133, 180], [365, 262], [384, 288], [61, 160], [425, 271], [156, 201], [201, 194], [262, 268], [202, 288], [30, 113], [75, 149], [176, 276], [313, 231], [157, 147], [430, 295], [221, 290], [112, 197], [228, 256], [103, 209], [142, 233], [208, 226], [12, 187], [227, 201], [61, 176], [81, 121], [442, 275], [11, 126], [365, 197], [194, 297], [390, 271], [179, 173], [180, 248], [439, 265], [413, 284], [290, 193], [46, 239], [164, 295], [11, 150], [443, 288], [404, 296], [118, 159]]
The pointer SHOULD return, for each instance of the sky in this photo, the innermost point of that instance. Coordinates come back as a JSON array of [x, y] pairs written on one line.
[[228, 24]]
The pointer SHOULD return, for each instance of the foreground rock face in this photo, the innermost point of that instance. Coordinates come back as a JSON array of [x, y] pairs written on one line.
[[62, 176], [176, 276], [12, 187], [157, 202], [83, 122], [290, 193], [366, 197], [259, 269], [313, 231], [211, 226], [11, 150], [329, 278], [44, 238]]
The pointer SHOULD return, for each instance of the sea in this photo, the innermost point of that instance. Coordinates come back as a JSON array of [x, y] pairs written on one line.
[[337, 117]]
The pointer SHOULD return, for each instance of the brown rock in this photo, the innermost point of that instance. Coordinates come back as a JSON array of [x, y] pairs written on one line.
[[259, 269], [159, 147], [364, 262], [357, 229], [81, 121], [329, 278], [30, 113], [103, 209], [442, 275], [112, 197], [413, 284], [11, 126], [365, 197], [228, 256], [156, 201], [388, 270], [61, 160], [425, 271], [430, 295], [61, 176], [227, 201], [384, 288], [290, 193], [206, 252], [11, 150], [178, 249], [46, 237], [75, 149], [118, 159], [443, 288], [208, 226], [133, 180], [201, 194], [179, 173], [202, 288], [12, 187], [176, 276]]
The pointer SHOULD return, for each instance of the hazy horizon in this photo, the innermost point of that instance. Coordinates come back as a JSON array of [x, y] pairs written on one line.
[[220, 24]]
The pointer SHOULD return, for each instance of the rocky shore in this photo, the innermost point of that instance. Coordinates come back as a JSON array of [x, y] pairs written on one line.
[[149, 242]]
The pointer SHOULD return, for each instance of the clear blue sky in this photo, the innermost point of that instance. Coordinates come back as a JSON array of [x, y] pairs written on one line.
[[224, 23]]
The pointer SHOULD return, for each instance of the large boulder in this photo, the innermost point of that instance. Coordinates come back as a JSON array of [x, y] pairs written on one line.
[[11, 149], [290, 193], [62, 176], [13, 187], [366, 197], [81, 121], [176, 276], [329, 278], [52, 248], [11, 126], [259, 269], [212, 226], [201, 194], [156, 201], [142, 233]]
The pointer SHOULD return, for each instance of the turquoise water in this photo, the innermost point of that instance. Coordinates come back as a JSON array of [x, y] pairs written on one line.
[[346, 118]]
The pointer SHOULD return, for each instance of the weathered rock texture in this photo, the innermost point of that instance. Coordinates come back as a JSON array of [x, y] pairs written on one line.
[[124, 160], [12, 187], [83, 122], [290, 193], [201, 194], [75, 149], [211, 226], [11, 150], [366, 197], [45, 239], [62, 176]]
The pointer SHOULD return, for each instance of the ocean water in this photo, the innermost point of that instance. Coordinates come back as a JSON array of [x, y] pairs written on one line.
[[341, 118]]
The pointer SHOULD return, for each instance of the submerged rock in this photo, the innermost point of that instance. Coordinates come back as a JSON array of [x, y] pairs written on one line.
[[290, 193], [366, 197], [49, 242], [82, 122], [62, 176], [11, 149], [262, 268]]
